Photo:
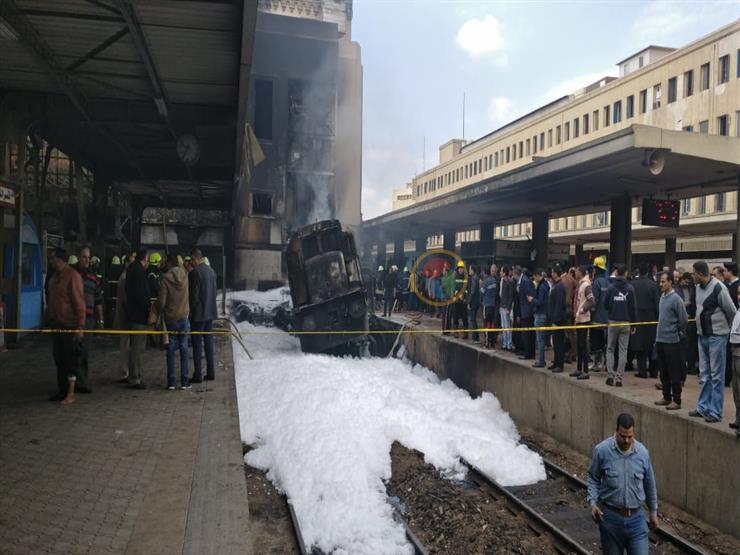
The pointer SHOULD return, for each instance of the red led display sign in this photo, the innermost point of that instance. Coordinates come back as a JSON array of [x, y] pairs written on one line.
[[663, 213]]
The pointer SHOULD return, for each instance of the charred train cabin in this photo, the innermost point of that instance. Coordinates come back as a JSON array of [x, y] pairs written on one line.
[[326, 287]]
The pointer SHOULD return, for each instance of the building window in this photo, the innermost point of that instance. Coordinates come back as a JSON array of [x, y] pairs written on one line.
[[617, 111], [485, 163], [490, 161], [657, 94], [558, 135], [704, 77], [688, 83], [737, 123], [738, 64], [521, 149], [513, 152], [601, 219], [466, 171], [582, 223], [704, 126], [689, 128], [702, 209], [261, 204], [719, 202], [643, 101], [567, 131], [686, 206], [425, 188], [723, 125], [596, 120], [528, 148], [508, 152], [495, 159], [585, 124], [672, 89], [576, 128], [549, 138], [542, 141], [534, 144], [607, 119], [640, 61], [724, 69], [263, 109], [630, 106]]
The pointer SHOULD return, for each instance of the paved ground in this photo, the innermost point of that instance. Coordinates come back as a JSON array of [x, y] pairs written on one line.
[[637, 388], [121, 470]]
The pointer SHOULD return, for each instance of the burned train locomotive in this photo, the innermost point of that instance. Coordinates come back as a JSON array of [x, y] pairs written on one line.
[[327, 289]]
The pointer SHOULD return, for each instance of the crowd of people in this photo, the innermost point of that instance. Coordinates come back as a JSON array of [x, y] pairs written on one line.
[[662, 324], [174, 295]]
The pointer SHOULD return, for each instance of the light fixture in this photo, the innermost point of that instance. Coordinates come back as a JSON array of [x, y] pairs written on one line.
[[7, 31]]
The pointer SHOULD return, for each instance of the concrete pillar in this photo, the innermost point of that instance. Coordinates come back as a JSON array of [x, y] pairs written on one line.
[[486, 231], [620, 232], [736, 246], [448, 242], [670, 252], [579, 258], [399, 257], [540, 234], [421, 245], [380, 259]]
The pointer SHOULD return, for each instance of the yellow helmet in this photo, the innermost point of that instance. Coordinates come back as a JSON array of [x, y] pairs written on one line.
[[155, 258], [460, 264], [72, 259], [116, 261], [380, 268], [206, 261], [600, 262]]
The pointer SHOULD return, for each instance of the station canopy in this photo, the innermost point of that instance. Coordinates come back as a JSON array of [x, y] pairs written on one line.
[[639, 161], [149, 93]]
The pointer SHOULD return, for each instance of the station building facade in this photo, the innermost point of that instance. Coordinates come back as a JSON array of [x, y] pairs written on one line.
[[695, 88]]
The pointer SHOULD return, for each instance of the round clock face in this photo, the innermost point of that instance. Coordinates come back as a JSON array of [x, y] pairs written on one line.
[[188, 149]]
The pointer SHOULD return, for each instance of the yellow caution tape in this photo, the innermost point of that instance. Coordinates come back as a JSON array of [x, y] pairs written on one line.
[[330, 332]]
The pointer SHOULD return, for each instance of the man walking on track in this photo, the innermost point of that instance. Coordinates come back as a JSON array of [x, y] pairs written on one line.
[[620, 482]]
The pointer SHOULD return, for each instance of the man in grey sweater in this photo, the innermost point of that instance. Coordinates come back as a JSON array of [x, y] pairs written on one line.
[[714, 314], [672, 320]]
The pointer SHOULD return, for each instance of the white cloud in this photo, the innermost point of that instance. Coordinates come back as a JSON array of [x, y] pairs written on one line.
[[663, 22], [375, 203], [480, 36], [572, 84], [502, 110]]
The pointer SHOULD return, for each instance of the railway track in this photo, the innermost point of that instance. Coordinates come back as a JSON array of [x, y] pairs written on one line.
[[301, 542], [557, 507]]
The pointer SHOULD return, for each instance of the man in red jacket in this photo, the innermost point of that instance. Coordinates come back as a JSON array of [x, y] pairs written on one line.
[[65, 310]]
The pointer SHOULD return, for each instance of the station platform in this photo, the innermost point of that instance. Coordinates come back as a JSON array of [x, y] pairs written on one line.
[[120, 471], [693, 460]]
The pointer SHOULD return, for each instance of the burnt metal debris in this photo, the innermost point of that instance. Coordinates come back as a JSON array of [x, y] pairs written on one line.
[[327, 289]]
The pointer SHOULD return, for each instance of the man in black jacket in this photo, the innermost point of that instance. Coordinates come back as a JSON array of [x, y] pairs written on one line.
[[137, 306], [647, 300], [620, 305], [556, 314]]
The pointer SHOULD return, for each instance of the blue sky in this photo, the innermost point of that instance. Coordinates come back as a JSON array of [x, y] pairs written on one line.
[[508, 57]]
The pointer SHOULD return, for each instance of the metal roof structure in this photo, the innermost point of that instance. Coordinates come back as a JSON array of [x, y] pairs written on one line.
[[578, 181], [116, 83]]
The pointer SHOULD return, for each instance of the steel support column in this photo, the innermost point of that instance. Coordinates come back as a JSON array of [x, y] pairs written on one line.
[[736, 245], [670, 252], [486, 231], [399, 256], [540, 237], [579, 259], [620, 231], [421, 245], [448, 241]]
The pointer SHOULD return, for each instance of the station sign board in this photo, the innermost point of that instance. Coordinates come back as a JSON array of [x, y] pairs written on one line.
[[7, 196]]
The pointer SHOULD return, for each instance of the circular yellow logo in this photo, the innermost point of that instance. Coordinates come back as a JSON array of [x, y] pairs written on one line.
[[432, 265]]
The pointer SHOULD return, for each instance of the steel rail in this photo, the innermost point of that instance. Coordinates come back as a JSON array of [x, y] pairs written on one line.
[[296, 528], [564, 540], [419, 549], [681, 543]]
